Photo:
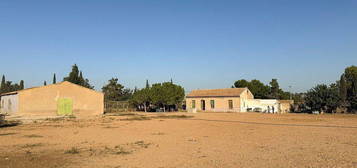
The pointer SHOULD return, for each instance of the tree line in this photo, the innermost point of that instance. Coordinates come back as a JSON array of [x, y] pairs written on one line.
[[263, 91], [340, 96], [9, 86], [167, 96]]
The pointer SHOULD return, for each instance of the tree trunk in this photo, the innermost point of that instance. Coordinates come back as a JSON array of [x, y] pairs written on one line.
[[145, 107], [164, 109]]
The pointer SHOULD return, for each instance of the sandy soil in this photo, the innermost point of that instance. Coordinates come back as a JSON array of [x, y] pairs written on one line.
[[224, 140]]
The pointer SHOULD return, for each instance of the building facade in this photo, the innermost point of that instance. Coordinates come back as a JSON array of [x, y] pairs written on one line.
[[64, 98], [233, 100]]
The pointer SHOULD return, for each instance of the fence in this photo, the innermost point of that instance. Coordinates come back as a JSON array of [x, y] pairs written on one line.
[[116, 106]]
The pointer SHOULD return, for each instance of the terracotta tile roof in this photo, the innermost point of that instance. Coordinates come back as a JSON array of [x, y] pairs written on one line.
[[229, 92]]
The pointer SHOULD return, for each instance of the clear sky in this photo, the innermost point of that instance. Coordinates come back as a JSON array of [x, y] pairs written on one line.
[[198, 43]]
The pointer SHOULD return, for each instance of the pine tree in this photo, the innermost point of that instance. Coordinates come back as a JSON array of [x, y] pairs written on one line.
[[44, 83], [54, 79], [22, 85]]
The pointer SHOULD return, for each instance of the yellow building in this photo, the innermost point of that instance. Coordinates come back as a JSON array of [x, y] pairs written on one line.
[[233, 100], [63, 98]]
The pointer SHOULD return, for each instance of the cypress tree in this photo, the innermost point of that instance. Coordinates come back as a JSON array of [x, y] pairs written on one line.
[[73, 75], [76, 77], [343, 88], [3, 85], [54, 79], [147, 83], [22, 85], [81, 79]]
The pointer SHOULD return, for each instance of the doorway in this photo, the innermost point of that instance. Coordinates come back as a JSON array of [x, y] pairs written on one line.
[[64, 107], [203, 104]]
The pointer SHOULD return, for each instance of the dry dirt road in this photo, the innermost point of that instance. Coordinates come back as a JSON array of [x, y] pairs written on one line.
[[205, 140]]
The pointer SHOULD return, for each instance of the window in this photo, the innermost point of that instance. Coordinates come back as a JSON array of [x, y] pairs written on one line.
[[193, 104], [230, 104], [212, 104]]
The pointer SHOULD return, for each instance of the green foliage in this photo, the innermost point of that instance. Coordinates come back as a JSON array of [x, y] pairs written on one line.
[[274, 89], [22, 84], [147, 84], [54, 81], [159, 95], [8, 86], [262, 91], [323, 98], [350, 87], [114, 91], [76, 77], [259, 90]]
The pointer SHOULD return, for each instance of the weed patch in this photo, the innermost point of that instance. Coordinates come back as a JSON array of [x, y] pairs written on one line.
[[173, 116], [122, 114], [33, 136], [136, 118], [6, 123], [7, 134], [119, 150], [32, 145], [73, 150]]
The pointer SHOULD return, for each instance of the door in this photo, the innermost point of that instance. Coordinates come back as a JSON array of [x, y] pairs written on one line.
[[203, 104], [64, 106]]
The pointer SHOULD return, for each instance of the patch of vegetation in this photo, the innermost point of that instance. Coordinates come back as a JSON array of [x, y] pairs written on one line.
[[119, 150], [73, 150], [33, 136], [7, 134], [32, 145], [5, 123], [55, 119], [173, 116], [136, 118], [122, 114], [158, 133], [62, 118], [142, 144]]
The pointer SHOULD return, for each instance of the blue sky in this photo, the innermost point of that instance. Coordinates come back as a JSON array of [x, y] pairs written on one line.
[[198, 43]]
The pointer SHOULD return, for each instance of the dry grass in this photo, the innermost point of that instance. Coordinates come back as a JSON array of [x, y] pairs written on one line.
[[6, 123], [32, 145], [136, 118], [6, 134], [73, 150], [173, 116], [208, 140], [33, 136]]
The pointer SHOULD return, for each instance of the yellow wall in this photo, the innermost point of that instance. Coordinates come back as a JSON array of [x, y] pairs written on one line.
[[43, 100]]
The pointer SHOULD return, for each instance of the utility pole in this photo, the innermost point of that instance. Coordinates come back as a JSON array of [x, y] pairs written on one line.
[[290, 92]]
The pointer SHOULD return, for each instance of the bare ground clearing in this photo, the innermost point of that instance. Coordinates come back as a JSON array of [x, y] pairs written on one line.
[[228, 140]]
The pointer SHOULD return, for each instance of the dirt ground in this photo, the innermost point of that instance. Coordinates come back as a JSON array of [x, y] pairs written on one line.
[[183, 140]]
